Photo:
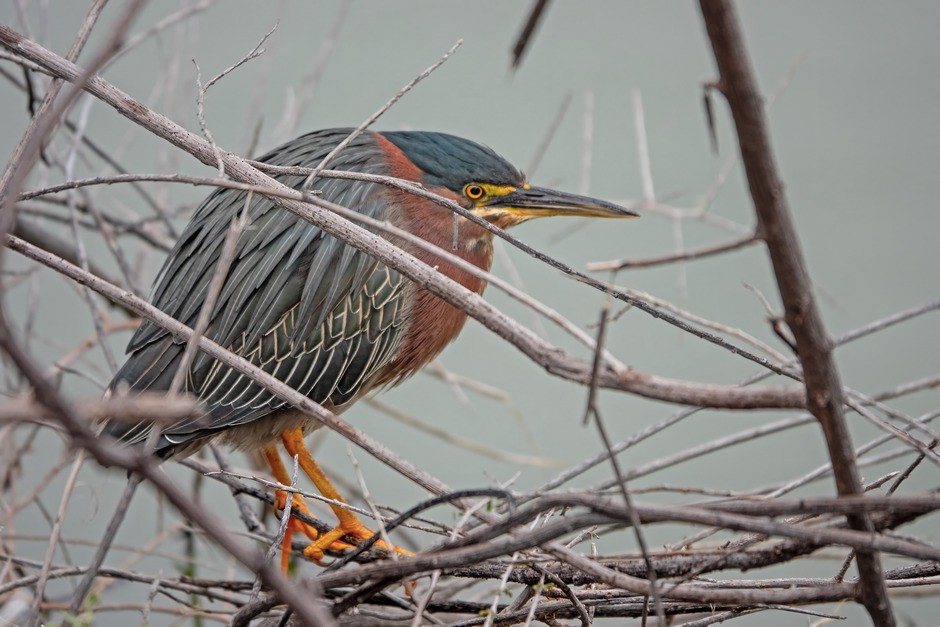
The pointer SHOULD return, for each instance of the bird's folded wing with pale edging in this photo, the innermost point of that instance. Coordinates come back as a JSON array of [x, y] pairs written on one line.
[[298, 303]]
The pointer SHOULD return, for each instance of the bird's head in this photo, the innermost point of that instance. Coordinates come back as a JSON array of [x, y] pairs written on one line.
[[490, 186]]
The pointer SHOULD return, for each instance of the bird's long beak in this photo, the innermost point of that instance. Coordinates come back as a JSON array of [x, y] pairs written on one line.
[[533, 202]]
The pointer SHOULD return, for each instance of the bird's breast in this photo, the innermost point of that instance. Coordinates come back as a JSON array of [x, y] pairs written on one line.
[[432, 322]]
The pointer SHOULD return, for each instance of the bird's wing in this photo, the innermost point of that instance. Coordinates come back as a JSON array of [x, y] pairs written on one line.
[[297, 302]]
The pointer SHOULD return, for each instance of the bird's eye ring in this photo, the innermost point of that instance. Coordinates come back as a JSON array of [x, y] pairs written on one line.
[[473, 191]]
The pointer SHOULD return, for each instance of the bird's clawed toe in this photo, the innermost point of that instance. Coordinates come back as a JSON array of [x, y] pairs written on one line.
[[349, 526]]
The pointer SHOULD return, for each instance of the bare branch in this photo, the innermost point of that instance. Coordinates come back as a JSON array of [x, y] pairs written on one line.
[[823, 387]]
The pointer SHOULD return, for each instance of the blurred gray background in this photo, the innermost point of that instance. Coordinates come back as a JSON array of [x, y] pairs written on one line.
[[857, 138]]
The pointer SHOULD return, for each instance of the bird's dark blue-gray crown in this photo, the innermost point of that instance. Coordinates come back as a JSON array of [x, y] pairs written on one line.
[[452, 162]]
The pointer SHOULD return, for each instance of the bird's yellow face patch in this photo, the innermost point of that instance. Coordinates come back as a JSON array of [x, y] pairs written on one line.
[[482, 193], [484, 196]]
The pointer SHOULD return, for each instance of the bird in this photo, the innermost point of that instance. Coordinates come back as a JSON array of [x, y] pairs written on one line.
[[314, 312]]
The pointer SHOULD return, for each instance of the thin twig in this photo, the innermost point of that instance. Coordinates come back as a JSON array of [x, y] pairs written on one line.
[[255, 52], [310, 82], [54, 536], [107, 538], [687, 255], [375, 116], [531, 24], [549, 135]]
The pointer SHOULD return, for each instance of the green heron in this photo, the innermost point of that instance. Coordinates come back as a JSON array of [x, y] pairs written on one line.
[[321, 316]]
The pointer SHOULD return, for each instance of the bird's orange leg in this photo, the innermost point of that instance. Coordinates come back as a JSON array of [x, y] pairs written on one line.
[[349, 523], [297, 505]]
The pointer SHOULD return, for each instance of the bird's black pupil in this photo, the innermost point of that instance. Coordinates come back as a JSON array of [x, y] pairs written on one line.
[[474, 191]]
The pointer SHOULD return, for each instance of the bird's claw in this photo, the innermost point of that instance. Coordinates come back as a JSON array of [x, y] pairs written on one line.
[[331, 540]]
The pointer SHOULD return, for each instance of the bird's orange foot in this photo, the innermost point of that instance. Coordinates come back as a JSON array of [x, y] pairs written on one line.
[[295, 525], [349, 525]]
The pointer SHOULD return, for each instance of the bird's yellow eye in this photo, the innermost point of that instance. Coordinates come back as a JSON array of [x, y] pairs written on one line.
[[473, 191]]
